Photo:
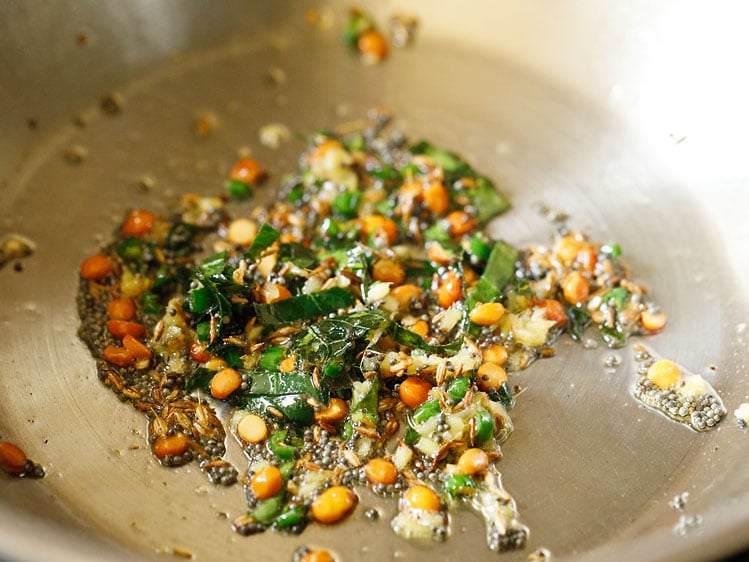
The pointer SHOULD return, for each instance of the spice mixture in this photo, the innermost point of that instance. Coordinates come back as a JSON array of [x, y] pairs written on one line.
[[360, 330]]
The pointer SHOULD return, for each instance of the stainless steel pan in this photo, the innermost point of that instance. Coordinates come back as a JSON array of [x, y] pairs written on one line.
[[611, 113]]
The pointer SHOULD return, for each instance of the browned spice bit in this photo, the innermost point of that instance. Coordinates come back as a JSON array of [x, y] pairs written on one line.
[[351, 458], [472, 431], [158, 427], [132, 393], [387, 403], [327, 426], [286, 331], [391, 428], [218, 463], [182, 553], [15, 247], [546, 352], [75, 154], [146, 183], [366, 432], [113, 379], [274, 412], [213, 331], [83, 38], [112, 104], [320, 18], [242, 519], [310, 465], [205, 124], [403, 29]]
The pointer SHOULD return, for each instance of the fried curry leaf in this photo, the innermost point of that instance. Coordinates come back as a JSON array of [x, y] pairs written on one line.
[[264, 238], [484, 291], [214, 265], [484, 195], [503, 395], [200, 379], [579, 321], [487, 200], [299, 255], [275, 383], [303, 307], [448, 161], [287, 393], [614, 337], [418, 268], [332, 338], [230, 353], [404, 336], [210, 297], [368, 403], [180, 238], [618, 295], [294, 408], [499, 271], [500, 267]]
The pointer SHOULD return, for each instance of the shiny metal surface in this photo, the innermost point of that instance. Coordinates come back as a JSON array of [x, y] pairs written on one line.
[[592, 471]]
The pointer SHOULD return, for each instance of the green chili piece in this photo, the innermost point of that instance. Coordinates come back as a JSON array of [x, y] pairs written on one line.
[[203, 330], [200, 300], [386, 173], [480, 247], [150, 304], [292, 515], [346, 203], [266, 511], [333, 369], [130, 249], [457, 389], [460, 485], [355, 26], [296, 194], [484, 426], [427, 410], [438, 232], [162, 277], [612, 250], [238, 190], [271, 358], [411, 436], [347, 430], [487, 200], [618, 295], [279, 447], [287, 469]]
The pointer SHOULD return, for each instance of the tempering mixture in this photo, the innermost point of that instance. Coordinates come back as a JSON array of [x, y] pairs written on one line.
[[360, 329]]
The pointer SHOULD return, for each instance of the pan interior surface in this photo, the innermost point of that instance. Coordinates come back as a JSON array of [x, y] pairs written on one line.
[[592, 471]]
